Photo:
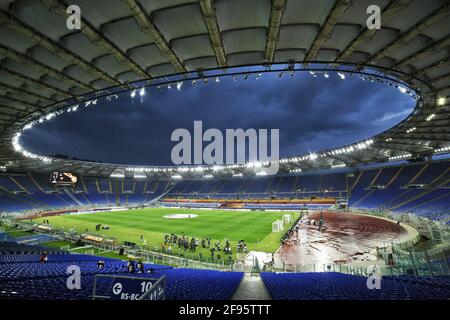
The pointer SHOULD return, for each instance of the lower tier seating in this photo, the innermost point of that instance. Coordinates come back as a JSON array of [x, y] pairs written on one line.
[[338, 286], [23, 277]]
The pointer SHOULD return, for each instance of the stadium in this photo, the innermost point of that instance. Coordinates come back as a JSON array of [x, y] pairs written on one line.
[[360, 217]]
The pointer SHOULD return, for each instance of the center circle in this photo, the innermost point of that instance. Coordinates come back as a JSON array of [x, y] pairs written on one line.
[[180, 216]]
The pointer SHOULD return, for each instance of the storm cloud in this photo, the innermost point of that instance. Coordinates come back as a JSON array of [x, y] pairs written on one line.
[[311, 113]]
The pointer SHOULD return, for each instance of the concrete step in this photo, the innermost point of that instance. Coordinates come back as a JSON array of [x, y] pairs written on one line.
[[251, 288]]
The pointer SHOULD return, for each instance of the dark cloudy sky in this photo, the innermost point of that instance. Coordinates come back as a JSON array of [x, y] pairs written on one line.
[[311, 113]]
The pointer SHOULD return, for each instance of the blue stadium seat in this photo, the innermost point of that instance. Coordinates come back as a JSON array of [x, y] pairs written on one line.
[[338, 286], [23, 277]]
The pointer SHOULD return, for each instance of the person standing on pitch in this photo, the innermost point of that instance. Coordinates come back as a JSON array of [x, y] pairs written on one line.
[[321, 221]]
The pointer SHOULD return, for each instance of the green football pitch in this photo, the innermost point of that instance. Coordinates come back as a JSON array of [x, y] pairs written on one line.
[[254, 227]]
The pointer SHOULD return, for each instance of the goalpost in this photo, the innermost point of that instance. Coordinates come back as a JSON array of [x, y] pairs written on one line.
[[65, 248], [287, 218], [277, 226]]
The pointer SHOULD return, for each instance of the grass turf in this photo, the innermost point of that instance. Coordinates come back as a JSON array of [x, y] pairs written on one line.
[[253, 227], [12, 232], [70, 245]]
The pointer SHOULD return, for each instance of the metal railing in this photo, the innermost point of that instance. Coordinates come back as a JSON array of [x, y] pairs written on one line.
[[395, 258]]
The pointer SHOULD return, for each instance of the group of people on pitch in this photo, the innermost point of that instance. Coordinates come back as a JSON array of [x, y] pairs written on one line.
[[182, 242], [191, 244]]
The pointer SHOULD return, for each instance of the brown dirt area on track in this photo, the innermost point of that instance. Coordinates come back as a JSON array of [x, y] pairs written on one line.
[[345, 238]]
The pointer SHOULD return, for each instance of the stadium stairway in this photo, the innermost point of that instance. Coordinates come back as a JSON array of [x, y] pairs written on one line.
[[154, 200], [19, 185], [251, 288], [83, 195], [364, 189], [73, 197]]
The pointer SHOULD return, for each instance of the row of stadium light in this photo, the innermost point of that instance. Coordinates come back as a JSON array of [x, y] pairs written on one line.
[[245, 76], [142, 91], [178, 85], [139, 175], [326, 75], [359, 146], [186, 169], [18, 148], [444, 149], [257, 165], [138, 172], [70, 109], [342, 75], [402, 89], [348, 149], [401, 157], [73, 108], [118, 176]]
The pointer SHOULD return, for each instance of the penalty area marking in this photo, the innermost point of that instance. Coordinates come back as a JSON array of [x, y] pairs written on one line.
[[180, 216]]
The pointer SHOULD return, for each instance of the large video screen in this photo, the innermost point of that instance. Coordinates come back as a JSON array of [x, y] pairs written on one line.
[[63, 179]]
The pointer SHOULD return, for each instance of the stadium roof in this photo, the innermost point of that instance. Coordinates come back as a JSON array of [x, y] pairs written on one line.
[[121, 41]]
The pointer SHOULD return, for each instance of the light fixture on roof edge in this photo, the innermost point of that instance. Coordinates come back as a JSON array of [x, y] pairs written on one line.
[[441, 101]]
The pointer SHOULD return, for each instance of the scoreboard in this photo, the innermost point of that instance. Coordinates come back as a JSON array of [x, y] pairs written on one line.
[[63, 179]]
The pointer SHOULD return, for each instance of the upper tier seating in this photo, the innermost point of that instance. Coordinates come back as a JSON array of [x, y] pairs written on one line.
[[418, 188], [414, 188], [263, 187], [26, 193]]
